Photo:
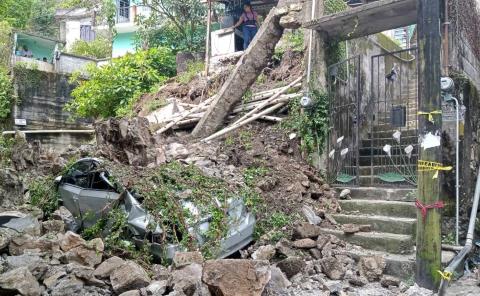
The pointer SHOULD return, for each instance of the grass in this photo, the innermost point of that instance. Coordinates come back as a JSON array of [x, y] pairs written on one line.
[[155, 104], [193, 69]]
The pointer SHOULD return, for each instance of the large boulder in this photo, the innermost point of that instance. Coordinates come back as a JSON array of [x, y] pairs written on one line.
[[181, 259], [264, 253], [129, 276], [19, 280], [128, 141], [11, 188], [44, 244], [71, 240], [88, 254], [232, 277], [333, 268], [34, 263]]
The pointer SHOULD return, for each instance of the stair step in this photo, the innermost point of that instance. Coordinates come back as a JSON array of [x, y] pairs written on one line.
[[400, 266], [386, 161], [380, 142], [379, 207], [366, 181], [389, 134], [394, 150], [387, 194], [378, 241], [367, 170], [380, 223]]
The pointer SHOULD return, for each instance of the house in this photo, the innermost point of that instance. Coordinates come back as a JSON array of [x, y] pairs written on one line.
[[79, 24]]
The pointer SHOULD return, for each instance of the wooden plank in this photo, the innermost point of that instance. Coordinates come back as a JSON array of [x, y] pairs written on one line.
[[366, 19], [429, 240]]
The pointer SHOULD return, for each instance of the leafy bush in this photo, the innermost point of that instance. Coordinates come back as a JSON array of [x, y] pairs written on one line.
[[43, 194], [6, 149], [113, 89], [99, 48], [6, 94], [312, 124]]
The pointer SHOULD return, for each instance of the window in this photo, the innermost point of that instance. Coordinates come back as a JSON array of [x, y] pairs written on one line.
[[123, 11], [86, 33], [79, 174], [99, 183]]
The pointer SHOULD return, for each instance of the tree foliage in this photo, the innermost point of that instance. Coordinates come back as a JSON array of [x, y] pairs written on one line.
[[99, 48], [42, 19], [16, 13], [113, 89], [180, 24]]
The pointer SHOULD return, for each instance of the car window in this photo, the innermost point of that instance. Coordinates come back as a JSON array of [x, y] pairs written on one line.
[[98, 182], [79, 174]]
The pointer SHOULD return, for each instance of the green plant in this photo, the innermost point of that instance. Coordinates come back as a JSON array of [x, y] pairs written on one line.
[[193, 69], [291, 41], [6, 149], [113, 89], [44, 195], [252, 174], [449, 239], [99, 48], [273, 226], [312, 123], [334, 6], [6, 44], [7, 97]]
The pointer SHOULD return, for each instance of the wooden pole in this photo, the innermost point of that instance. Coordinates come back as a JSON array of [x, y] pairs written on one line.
[[209, 36], [429, 227]]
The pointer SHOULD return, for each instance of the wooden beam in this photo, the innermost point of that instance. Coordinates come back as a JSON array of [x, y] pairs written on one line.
[[429, 241], [366, 19]]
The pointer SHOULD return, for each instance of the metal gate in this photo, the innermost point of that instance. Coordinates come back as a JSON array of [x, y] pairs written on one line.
[[390, 150], [343, 139], [373, 141]]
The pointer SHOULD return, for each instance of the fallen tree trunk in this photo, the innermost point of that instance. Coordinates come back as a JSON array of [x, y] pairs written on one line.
[[250, 65]]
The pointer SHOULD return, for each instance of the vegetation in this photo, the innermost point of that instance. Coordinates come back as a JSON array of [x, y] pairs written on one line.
[[113, 89], [44, 195], [16, 13], [6, 94], [6, 149], [182, 25], [312, 123], [193, 69], [291, 41], [100, 48]]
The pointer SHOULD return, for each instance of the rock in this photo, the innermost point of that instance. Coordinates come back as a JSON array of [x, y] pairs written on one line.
[[316, 253], [306, 230], [388, 281], [350, 228], [156, 288], [21, 223], [278, 282], [129, 276], [291, 266], [63, 214], [68, 285], [161, 273], [128, 141], [310, 215], [19, 280], [43, 244], [283, 247], [11, 188], [365, 227], [6, 236], [237, 277], [71, 240], [345, 194], [322, 241], [330, 219], [333, 268], [306, 243], [89, 254], [181, 259], [371, 267], [105, 269], [54, 226], [264, 253], [132, 293], [36, 265], [358, 281], [176, 151], [187, 279], [326, 187], [84, 273]]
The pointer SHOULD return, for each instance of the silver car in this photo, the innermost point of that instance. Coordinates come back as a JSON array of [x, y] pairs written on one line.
[[87, 192]]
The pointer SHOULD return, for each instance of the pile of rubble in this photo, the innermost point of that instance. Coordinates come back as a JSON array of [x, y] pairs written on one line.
[[40, 258]]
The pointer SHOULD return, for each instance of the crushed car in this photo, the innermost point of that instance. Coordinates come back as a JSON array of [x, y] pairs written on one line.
[[89, 191]]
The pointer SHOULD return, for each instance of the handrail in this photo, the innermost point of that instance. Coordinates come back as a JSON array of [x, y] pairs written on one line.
[[469, 242]]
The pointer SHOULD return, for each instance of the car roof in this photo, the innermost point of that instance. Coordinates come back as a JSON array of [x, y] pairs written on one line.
[[89, 159]]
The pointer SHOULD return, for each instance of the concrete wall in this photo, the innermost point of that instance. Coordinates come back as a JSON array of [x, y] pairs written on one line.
[[69, 63], [72, 30], [42, 98]]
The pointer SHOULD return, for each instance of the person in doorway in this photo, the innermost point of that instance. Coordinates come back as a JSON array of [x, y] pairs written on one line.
[[249, 21]]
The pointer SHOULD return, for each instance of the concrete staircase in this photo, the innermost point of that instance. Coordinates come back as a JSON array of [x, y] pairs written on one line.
[[392, 216]]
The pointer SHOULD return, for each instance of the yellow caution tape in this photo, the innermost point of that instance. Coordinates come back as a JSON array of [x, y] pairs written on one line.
[[428, 166], [445, 275], [430, 114]]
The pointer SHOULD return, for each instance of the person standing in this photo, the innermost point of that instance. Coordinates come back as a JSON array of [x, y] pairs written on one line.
[[249, 21]]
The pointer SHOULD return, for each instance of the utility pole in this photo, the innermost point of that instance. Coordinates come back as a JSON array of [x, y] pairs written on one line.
[[208, 41], [429, 166]]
